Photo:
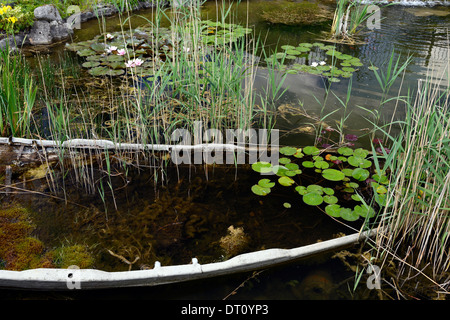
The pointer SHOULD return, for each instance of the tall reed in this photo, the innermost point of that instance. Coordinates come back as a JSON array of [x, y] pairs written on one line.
[[414, 231]]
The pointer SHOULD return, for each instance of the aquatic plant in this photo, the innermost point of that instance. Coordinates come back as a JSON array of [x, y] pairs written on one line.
[[344, 175], [291, 13], [316, 58], [414, 233], [17, 95], [235, 242], [19, 250]]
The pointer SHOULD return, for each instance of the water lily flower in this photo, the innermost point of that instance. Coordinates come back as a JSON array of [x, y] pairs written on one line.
[[134, 63], [377, 141], [109, 36], [351, 137], [314, 64], [121, 52], [111, 49], [380, 150], [322, 63]]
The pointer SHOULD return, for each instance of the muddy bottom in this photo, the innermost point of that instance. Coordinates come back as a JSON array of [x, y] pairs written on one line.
[[132, 217]]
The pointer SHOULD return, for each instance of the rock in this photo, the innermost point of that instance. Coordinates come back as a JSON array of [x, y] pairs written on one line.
[[48, 13], [60, 30], [40, 33], [104, 10]]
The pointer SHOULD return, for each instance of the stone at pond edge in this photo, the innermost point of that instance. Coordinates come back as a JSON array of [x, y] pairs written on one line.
[[40, 33], [47, 13]]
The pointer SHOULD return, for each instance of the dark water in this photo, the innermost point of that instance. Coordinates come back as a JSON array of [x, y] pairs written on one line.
[[221, 197]]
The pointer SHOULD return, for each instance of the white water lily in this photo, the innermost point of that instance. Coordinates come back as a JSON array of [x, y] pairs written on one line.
[[111, 49], [314, 64], [322, 63], [109, 36]]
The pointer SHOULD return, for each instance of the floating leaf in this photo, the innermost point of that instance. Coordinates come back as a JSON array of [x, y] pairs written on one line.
[[91, 64], [266, 183], [349, 214], [321, 164], [301, 190], [279, 170], [328, 191], [288, 151], [260, 191], [360, 152], [284, 160], [348, 172], [308, 164], [333, 210], [292, 166], [364, 211], [262, 167], [287, 205], [286, 181], [345, 151], [359, 162], [330, 199], [312, 199], [380, 178], [356, 197], [311, 150], [360, 174], [333, 174], [315, 188]]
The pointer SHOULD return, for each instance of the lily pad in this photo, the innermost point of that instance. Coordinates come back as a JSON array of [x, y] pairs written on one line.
[[360, 174], [333, 174], [286, 181], [333, 210], [260, 191], [262, 167], [312, 199], [348, 214], [288, 151], [266, 183]]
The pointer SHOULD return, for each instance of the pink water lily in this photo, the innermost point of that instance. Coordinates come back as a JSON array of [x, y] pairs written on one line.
[[134, 63], [121, 52]]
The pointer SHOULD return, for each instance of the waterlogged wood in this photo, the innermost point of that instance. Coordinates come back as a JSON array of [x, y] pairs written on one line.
[[70, 279], [109, 145]]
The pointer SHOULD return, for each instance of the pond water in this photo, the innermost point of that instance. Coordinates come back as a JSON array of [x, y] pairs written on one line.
[[196, 205]]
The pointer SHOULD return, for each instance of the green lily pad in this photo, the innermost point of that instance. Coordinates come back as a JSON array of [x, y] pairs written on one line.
[[328, 191], [286, 181], [345, 151], [333, 210], [86, 52], [321, 164], [292, 166], [311, 150], [266, 183], [91, 64], [359, 162], [288, 151], [284, 160], [364, 211], [330, 199], [308, 164], [260, 191], [287, 205], [301, 190], [360, 174], [312, 199], [333, 174], [262, 167], [348, 214], [315, 188]]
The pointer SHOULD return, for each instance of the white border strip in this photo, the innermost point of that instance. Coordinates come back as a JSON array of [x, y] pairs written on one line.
[[66, 279]]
